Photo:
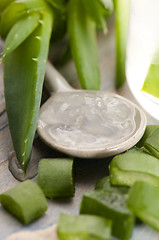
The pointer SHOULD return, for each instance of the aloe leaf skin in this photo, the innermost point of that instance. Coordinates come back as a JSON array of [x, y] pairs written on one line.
[[55, 177], [122, 20], [16, 10], [95, 9], [25, 201], [151, 83], [82, 37], [148, 132], [24, 71], [134, 165], [4, 4], [152, 143], [59, 4], [19, 32]]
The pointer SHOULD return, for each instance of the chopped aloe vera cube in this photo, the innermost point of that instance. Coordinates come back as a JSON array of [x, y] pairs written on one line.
[[25, 201], [134, 165], [105, 184], [83, 227], [148, 132], [55, 177], [143, 201], [152, 143], [110, 205]]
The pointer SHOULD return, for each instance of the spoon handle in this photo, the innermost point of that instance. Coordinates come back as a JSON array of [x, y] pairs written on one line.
[[54, 81]]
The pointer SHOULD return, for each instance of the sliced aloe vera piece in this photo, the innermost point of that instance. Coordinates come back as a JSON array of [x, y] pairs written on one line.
[[110, 205], [105, 185], [134, 165], [19, 32], [25, 201], [151, 83], [83, 227], [16, 10], [152, 143], [122, 20], [148, 132], [82, 37], [143, 201], [24, 71], [55, 177]]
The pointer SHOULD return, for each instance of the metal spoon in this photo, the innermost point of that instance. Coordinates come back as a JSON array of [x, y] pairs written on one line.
[[85, 123]]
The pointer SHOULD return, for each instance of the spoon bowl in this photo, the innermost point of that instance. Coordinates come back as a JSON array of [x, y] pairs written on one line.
[[87, 123]]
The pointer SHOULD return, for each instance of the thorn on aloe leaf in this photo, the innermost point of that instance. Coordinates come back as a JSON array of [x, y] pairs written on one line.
[[41, 21], [35, 59], [38, 37]]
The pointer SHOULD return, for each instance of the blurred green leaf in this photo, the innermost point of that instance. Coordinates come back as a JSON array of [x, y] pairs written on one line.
[[82, 37]]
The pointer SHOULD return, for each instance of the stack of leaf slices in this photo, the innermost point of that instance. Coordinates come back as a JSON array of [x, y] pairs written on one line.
[[130, 191]]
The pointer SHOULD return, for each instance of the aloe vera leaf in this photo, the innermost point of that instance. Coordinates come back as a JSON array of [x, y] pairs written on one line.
[[112, 206], [55, 177], [148, 132], [122, 20], [19, 32], [83, 227], [151, 83], [134, 165], [25, 201], [16, 10], [59, 4], [23, 78], [4, 4], [96, 11], [82, 36], [152, 143]]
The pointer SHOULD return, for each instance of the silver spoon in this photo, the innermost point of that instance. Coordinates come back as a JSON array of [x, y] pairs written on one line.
[[87, 123]]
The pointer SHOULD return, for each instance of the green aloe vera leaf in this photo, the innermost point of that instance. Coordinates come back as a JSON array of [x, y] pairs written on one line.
[[25, 201], [60, 26], [24, 71], [19, 32], [112, 206], [143, 202], [151, 83], [16, 10], [59, 4], [83, 227], [55, 177], [148, 132], [152, 143], [95, 9], [104, 184], [122, 20], [4, 4], [82, 37], [134, 165]]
